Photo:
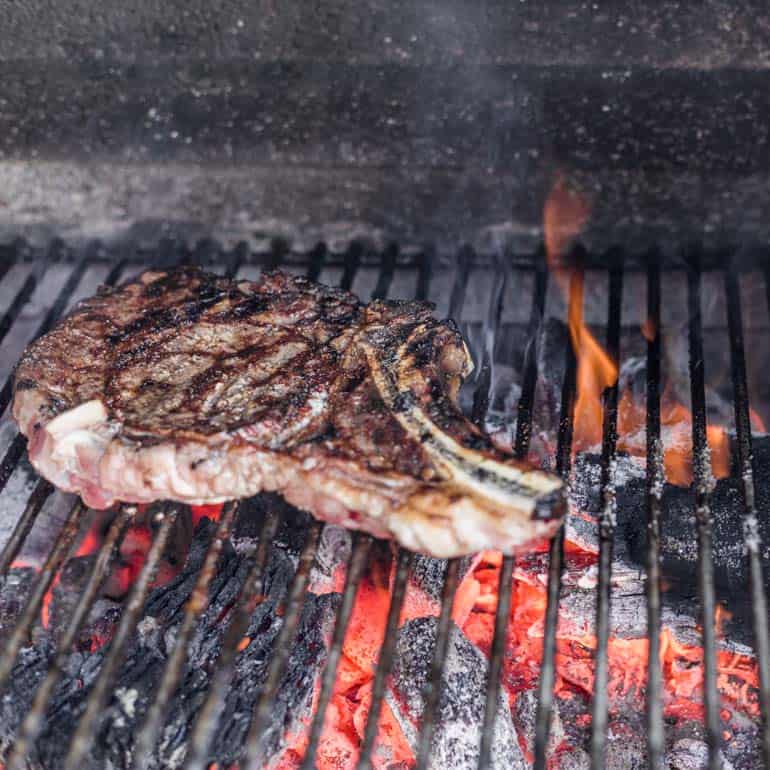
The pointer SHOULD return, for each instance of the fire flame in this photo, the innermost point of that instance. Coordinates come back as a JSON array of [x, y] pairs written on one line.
[[564, 215]]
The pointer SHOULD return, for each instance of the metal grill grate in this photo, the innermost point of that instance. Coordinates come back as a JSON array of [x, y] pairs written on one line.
[[348, 266]]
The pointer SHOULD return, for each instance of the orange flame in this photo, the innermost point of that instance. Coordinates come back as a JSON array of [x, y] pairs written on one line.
[[564, 215]]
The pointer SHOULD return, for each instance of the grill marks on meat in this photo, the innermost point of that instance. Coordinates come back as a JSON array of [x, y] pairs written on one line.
[[184, 385]]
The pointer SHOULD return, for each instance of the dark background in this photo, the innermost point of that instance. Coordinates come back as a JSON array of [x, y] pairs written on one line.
[[439, 122]]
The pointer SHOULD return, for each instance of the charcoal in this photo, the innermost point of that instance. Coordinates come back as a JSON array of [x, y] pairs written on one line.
[[333, 552], [552, 344], [574, 758], [147, 653], [679, 546], [66, 593], [461, 703], [524, 719], [13, 595], [30, 669], [427, 573], [291, 529], [626, 746]]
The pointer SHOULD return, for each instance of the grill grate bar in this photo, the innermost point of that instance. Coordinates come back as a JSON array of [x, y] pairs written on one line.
[[40, 494], [352, 261], [172, 672], [505, 588], [355, 570], [606, 529], [751, 526], [387, 649], [703, 482], [9, 256], [282, 648], [21, 299], [655, 480], [128, 622], [424, 264], [51, 317], [15, 451], [556, 550], [385, 278], [432, 690], [235, 259], [385, 660], [33, 721], [47, 574], [11, 459], [252, 592], [482, 392], [317, 258]]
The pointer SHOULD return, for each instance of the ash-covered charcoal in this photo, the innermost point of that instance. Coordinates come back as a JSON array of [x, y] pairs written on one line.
[[13, 595], [291, 712], [461, 705], [553, 342], [679, 545], [525, 719], [292, 527], [331, 557], [67, 591], [585, 496], [30, 668], [627, 744], [427, 575], [147, 653]]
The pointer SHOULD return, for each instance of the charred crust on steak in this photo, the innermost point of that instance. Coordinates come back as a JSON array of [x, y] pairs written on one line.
[[186, 377]]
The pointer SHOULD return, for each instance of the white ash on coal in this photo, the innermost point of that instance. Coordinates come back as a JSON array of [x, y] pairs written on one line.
[[461, 703]]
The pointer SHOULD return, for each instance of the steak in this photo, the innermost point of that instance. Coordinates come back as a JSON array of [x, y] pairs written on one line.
[[187, 386]]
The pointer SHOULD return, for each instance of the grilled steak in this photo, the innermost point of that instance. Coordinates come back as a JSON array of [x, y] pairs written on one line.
[[184, 385]]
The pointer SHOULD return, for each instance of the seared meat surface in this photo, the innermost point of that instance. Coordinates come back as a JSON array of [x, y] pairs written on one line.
[[184, 385]]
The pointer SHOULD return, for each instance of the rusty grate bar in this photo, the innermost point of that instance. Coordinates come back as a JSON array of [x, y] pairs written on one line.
[[282, 648], [87, 725], [33, 721], [751, 525], [196, 604], [252, 591], [703, 482], [606, 527], [505, 587], [47, 573], [655, 480], [556, 550], [385, 660], [355, 570]]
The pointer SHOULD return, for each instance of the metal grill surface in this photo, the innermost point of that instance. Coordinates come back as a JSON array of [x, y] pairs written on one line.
[[78, 274]]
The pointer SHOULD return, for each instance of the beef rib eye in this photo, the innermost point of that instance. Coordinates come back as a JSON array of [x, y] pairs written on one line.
[[183, 385]]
